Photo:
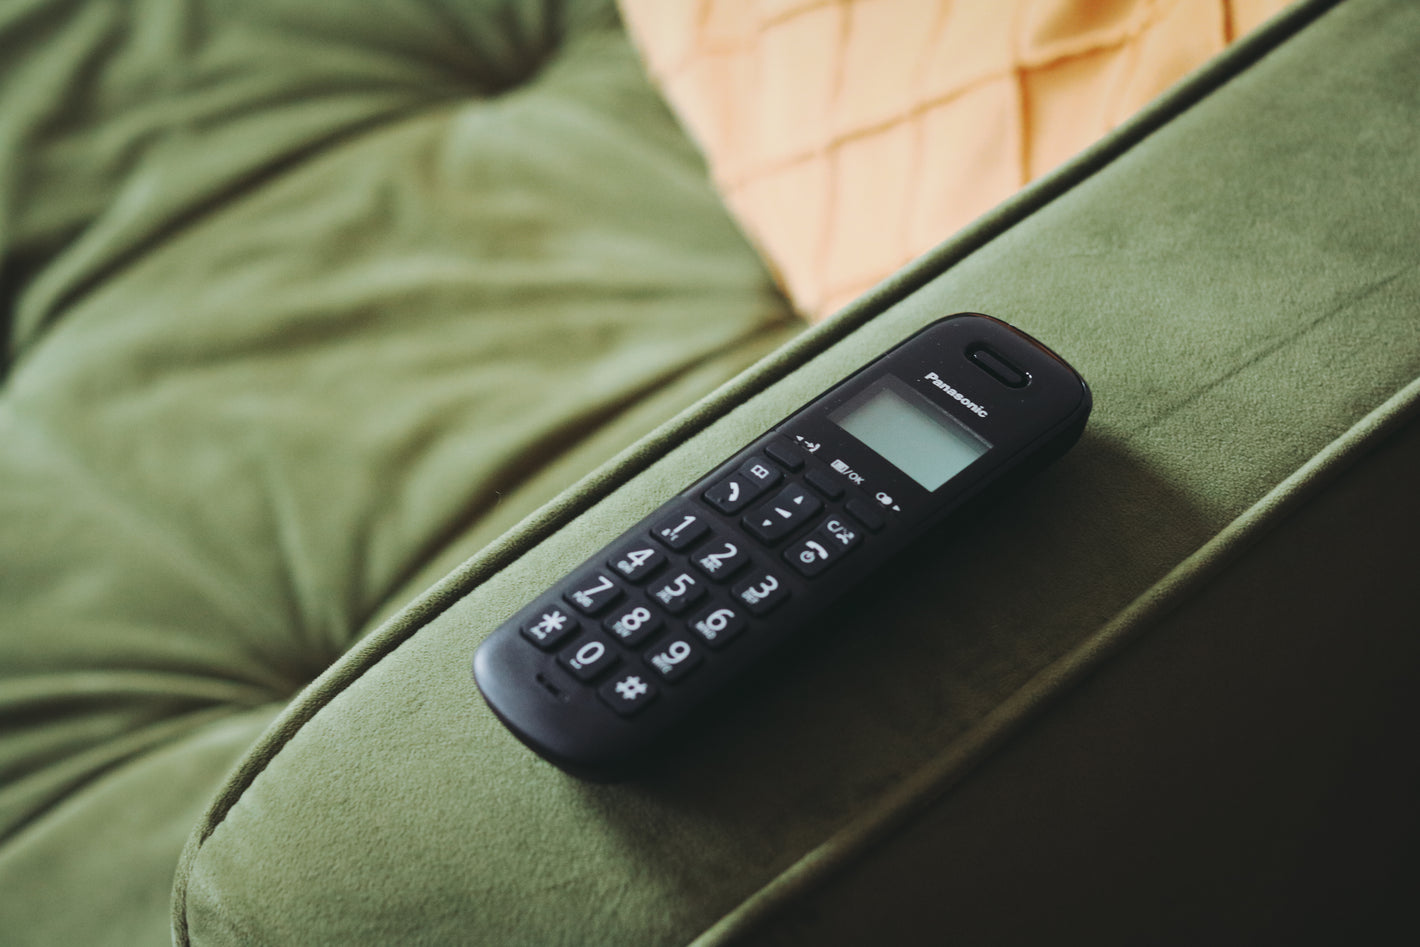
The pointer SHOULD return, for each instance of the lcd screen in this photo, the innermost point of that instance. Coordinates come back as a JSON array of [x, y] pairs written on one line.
[[910, 432]]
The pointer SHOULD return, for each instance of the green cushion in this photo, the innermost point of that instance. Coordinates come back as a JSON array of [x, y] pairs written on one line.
[[306, 303]]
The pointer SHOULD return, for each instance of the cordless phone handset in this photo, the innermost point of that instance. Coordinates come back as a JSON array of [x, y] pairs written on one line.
[[594, 671]]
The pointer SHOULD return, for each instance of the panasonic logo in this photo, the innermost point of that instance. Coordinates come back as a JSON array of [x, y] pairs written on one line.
[[966, 402]]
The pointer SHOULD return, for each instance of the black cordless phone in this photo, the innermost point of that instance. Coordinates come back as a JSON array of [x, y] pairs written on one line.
[[595, 670]]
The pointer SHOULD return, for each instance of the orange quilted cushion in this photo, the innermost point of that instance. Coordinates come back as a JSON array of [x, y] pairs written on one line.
[[849, 136]]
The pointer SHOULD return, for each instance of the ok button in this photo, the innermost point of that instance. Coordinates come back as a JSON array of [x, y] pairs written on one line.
[[779, 517]]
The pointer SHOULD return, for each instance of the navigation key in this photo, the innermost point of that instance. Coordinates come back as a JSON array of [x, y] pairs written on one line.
[[780, 516]]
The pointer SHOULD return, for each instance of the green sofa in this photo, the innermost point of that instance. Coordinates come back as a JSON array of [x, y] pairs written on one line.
[[334, 331]]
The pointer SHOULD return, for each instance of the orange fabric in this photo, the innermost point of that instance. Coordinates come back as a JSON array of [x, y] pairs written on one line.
[[849, 136]]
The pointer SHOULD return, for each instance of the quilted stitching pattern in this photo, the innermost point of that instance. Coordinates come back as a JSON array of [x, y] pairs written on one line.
[[849, 136]]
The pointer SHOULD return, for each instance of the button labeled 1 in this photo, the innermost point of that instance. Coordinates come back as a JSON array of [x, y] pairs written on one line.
[[633, 623], [681, 529]]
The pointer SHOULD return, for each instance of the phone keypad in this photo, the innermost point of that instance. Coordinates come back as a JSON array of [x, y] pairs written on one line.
[[671, 598]]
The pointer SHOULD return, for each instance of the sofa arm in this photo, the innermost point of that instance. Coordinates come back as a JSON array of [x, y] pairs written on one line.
[[1234, 272]]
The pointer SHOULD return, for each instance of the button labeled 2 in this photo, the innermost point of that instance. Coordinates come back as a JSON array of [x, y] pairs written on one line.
[[720, 558]]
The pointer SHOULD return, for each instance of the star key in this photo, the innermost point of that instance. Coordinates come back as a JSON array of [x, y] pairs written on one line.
[[550, 627]]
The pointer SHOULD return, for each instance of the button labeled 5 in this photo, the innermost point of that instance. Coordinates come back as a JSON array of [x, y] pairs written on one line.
[[679, 593]]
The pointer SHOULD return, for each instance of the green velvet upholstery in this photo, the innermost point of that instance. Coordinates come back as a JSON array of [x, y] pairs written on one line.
[[335, 338]]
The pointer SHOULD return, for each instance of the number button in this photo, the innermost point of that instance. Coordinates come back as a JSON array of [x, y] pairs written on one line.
[[679, 592], [593, 593], [681, 529], [762, 592], [720, 558], [777, 518], [550, 628], [633, 623], [627, 694], [637, 562], [675, 659], [718, 625], [588, 657]]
